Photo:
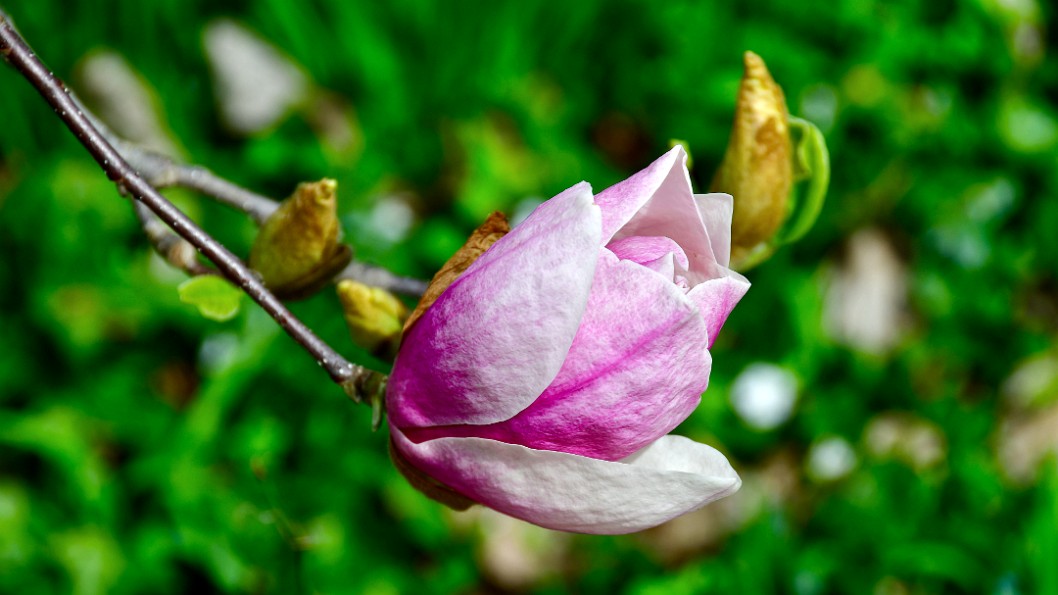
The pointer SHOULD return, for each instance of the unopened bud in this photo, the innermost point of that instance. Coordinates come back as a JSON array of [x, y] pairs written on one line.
[[375, 316], [758, 168], [297, 250]]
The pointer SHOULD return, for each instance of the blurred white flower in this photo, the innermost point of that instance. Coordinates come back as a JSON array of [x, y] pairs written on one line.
[[516, 555], [392, 218], [864, 302], [764, 395], [916, 442], [1025, 441], [124, 101], [830, 459], [255, 84]]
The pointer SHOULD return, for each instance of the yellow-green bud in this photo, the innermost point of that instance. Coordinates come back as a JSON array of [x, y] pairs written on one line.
[[297, 249], [375, 317], [757, 169]]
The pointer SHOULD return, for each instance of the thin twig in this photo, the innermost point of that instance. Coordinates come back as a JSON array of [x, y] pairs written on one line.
[[17, 53], [379, 277], [162, 171], [177, 251]]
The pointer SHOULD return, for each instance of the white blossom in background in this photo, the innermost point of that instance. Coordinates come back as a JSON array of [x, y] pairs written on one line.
[[764, 395], [865, 299], [388, 221], [124, 101], [392, 218], [516, 555], [1028, 431], [1025, 441], [255, 84], [915, 441], [830, 459]]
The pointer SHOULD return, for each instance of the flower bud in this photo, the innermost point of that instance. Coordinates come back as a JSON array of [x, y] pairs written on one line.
[[548, 367], [297, 249], [374, 315], [758, 167]]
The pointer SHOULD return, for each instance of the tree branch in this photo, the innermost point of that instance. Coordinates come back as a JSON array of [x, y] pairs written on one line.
[[13, 48], [162, 171], [379, 277], [177, 251]]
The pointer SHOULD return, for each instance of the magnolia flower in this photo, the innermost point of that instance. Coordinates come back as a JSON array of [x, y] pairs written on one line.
[[543, 382]]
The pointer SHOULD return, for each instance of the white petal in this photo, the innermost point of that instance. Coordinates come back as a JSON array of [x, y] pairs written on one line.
[[716, 210], [671, 477]]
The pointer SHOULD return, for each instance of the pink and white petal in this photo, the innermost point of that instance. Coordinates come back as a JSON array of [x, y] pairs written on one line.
[[716, 298], [716, 209], [620, 202], [496, 338], [567, 492], [664, 266], [644, 249], [636, 369], [672, 212]]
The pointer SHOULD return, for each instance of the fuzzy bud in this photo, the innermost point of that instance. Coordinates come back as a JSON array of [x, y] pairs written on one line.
[[758, 168], [297, 250], [375, 316]]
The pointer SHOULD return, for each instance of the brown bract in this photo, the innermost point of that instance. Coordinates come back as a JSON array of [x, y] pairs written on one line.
[[494, 228], [757, 169]]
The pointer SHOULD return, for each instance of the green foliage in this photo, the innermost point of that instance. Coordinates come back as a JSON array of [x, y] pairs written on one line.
[[145, 449], [215, 297]]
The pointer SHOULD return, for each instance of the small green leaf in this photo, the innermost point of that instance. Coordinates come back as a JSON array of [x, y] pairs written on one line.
[[214, 297], [811, 167]]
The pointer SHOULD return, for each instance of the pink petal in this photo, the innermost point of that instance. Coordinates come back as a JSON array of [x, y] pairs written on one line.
[[620, 202], [645, 250], [497, 337], [716, 209], [670, 477], [716, 298], [659, 201], [637, 368]]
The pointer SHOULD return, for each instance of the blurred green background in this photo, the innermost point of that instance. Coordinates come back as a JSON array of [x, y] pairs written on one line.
[[888, 389]]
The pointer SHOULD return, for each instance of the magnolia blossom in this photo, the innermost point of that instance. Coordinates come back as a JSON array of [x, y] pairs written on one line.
[[544, 381]]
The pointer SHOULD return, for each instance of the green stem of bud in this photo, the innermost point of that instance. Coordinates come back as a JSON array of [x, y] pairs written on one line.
[[812, 167], [370, 389]]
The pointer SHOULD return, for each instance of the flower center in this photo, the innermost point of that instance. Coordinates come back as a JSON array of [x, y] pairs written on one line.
[[657, 253]]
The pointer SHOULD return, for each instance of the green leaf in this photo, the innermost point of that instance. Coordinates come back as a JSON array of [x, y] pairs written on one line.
[[811, 167], [214, 297]]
